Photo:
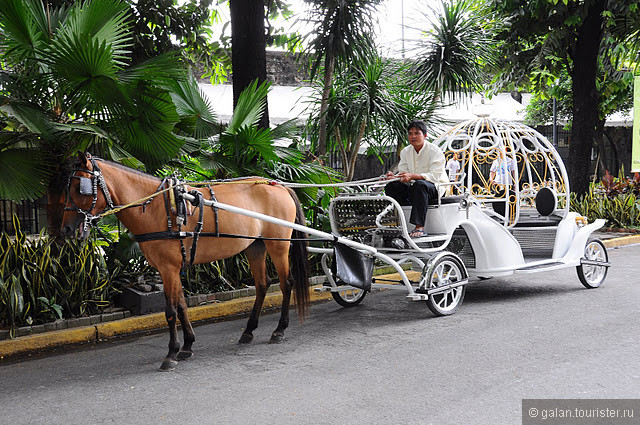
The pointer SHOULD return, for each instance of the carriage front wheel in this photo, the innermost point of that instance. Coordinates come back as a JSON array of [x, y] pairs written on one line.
[[445, 270], [592, 275], [349, 297]]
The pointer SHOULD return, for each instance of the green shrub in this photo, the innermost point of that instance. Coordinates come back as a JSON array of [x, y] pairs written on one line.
[[41, 280], [616, 200]]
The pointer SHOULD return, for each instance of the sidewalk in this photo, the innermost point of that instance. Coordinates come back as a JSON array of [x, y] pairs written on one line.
[[151, 322]]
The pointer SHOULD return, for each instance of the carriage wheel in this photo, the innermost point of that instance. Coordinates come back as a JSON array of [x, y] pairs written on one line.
[[349, 297], [593, 276], [445, 270]]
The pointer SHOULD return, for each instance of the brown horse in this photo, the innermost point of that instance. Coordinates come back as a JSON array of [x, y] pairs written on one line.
[[96, 186]]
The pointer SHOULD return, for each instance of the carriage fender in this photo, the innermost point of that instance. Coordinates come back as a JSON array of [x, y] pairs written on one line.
[[493, 245], [576, 250]]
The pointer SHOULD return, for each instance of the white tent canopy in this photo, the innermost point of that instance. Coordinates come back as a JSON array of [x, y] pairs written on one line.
[[289, 102]]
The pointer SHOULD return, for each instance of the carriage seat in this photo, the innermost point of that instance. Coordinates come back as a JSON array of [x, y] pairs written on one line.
[[453, 199], [546, 201]]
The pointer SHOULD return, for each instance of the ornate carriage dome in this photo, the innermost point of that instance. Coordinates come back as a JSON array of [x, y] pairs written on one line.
[[510, 168]]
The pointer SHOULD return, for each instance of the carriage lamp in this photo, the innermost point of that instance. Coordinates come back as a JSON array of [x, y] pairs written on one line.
[[581, 221]]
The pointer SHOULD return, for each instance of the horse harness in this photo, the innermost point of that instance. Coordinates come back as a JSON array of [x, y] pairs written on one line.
[[172, 190]]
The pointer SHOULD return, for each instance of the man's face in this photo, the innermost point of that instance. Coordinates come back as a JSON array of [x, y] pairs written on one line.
[[416, 138]]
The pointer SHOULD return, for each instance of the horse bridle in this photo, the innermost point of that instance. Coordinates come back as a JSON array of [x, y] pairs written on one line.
[[89, 186]]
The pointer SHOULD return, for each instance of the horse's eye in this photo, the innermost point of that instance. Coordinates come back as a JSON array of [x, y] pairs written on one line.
[[86, 186]]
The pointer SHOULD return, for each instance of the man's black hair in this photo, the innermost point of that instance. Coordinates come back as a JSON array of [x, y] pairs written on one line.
[[420, 125]]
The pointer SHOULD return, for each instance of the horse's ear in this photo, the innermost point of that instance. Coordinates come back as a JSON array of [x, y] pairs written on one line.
[[82, 157]]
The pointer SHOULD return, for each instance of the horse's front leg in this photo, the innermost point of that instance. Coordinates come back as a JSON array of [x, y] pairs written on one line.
[[170, 312], [187, 330], [176, 308]]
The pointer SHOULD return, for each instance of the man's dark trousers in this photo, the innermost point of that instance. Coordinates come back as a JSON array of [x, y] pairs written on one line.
[[418, 195]]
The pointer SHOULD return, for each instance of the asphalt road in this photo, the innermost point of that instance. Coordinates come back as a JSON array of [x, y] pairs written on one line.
[[387, 361]]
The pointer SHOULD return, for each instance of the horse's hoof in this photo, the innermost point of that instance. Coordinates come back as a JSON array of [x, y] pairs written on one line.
[[245, 339], [276, 338], [168, 365], [184, 355]]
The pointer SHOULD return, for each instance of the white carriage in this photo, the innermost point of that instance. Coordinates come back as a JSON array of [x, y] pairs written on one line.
[[477, 231]]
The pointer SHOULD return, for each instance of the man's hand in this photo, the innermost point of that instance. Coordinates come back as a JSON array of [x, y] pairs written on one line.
[[407, 177]]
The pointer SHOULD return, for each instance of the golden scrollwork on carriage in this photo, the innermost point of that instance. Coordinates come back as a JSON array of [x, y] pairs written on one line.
[[505, 165]]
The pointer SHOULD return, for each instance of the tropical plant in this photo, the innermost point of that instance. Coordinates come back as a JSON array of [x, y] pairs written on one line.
[[244, 149], [343, 31], [457, 53], [41, 280], [372, 101], [65, 85], [616, 200]]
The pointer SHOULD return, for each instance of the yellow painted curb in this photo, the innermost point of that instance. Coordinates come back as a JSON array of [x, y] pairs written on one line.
[[31, 343], [131, 325], [622, 241]]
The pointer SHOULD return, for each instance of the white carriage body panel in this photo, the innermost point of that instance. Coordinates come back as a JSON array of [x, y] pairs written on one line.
[[494, 246], [567, 230]]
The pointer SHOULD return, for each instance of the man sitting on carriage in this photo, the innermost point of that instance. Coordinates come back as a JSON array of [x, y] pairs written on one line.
[[422, 175]]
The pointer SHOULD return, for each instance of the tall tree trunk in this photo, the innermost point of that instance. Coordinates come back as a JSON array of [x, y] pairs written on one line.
[[585, 98], [248, 42], [324, 104], [602, 154], [355, 148]]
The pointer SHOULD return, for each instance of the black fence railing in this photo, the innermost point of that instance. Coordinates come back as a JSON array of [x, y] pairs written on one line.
[[28, 214]]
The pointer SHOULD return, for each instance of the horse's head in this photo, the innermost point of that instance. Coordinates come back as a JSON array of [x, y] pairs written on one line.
[[86, 198]]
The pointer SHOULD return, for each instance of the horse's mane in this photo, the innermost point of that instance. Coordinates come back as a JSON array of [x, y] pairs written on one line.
[[127, 169]]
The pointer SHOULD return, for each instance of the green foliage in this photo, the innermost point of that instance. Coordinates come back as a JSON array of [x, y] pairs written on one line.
[[371, 101], [617, 200], [66, 84], [457, 51], [341, 30], [41, 280]]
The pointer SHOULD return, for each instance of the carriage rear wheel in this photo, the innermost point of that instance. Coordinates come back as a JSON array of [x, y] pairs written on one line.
[[349, 297], [592, 276], [445, 270]]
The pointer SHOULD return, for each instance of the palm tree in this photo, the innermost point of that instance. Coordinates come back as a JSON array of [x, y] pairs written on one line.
[[454, 55], [372, 100], [343, 30], [65, 85], [245, 148]]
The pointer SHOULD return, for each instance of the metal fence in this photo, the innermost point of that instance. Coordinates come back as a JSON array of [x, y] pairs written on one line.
[[27, 212]]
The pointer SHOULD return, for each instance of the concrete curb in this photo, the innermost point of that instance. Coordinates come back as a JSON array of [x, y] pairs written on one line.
[[622, 241], [137, 324]]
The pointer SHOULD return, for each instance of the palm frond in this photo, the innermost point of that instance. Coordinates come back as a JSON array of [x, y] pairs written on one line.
[[23, 174], [20, 35], [193, 105], [104, 22], [250, 106]]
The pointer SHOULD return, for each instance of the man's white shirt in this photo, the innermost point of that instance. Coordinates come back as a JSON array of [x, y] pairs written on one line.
[[429, 163]]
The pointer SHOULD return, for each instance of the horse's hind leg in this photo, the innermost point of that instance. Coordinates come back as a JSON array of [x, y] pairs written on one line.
[[279, 253], [256, 254]]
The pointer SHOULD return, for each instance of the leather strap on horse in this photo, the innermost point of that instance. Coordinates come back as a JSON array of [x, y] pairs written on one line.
[[172, 234], [198, 228]]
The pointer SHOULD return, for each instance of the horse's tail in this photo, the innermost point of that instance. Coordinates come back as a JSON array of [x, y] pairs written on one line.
[[300, 262]]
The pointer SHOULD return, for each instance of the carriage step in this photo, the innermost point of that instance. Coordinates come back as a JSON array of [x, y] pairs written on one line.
[[432, 237]]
